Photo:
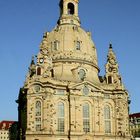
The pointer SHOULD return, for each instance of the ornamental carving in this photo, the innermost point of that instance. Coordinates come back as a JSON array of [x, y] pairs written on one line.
[[73, 55]]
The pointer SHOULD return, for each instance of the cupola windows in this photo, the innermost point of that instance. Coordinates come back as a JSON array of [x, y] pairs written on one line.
[[70, 9], [61, 7], [55, 45], [69, 12], [78, 45]]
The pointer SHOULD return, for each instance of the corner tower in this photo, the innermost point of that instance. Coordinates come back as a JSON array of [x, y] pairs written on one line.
[[112, 69], [63, 97]]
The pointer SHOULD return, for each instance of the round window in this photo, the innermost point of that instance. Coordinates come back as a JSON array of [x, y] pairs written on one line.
[[37, 88], [85, 90], [82, 74]]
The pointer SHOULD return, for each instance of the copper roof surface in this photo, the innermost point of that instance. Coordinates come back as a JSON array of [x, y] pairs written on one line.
[[5, 125], [137, 115]]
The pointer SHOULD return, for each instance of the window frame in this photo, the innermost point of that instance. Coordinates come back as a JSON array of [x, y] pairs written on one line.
[[86, 117], [61, 117], [107, 119], [70, 8], [82, 74], [38, 115], [55, 45], [38, 71], [78, 45]]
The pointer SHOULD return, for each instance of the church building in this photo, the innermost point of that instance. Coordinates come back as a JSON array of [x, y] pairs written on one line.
[[64, 97]]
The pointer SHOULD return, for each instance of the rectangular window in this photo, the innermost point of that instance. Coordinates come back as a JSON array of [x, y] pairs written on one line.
[[61, 124], [107, 96], [61, 117], [86, 116], [107, 119], [38, 124], [107, 126], [109, 79], [86, 125], [60, 92]]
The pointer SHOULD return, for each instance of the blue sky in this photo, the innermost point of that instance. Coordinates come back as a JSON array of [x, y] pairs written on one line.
[[23, 22]]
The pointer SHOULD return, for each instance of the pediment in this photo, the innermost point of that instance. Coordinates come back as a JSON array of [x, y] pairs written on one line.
[[79, 86]]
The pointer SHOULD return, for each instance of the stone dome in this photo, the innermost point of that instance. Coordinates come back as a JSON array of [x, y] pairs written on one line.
[[70, 48], [71, 42]]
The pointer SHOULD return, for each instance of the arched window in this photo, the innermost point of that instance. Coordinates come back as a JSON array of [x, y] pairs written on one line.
[[86, 118], [70, 8], [38, 115], [61, 125], [107, 119], [38, 108], [38, 71]]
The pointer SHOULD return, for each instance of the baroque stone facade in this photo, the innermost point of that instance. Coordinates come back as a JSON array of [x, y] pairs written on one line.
[[63, 97], [4, 129], [135, 125]]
